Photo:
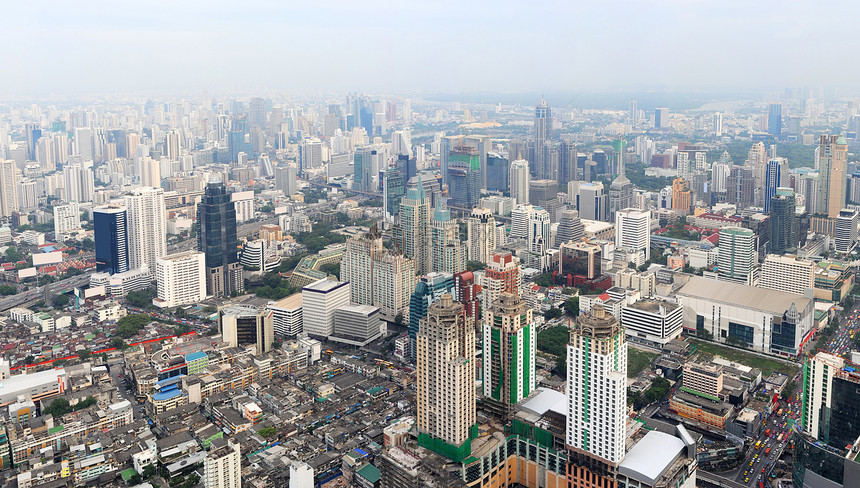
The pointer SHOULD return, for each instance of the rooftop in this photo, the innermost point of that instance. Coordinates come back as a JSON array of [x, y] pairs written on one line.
[[290, 302], [649, 458], [771, 301]]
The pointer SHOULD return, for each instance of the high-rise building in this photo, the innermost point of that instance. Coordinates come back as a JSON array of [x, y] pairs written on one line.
[[356, 264], [110, 228], [633, 232], [319, 301], [413, 231], [846, 230], [447, 253], [784, 225], [539, 235], [570, 228], [740, 187], [429, 289], [509, 348], [242, 325], [774, 120], [66, 218], [720, 176], [481, 235], [597, 387], [222, 466], [393, 189], [681, 196], [633, 112], [181, 279], [393, 281], [446, 380], [591, 202], [542, 135], [502, 275], [737, 255], [216, 237], [285, 180], [498, 173], [8, 188], [466, 290], [287, 315], [357, 325], [776, 176], [620, 194], [542, 190], [787, 273], [520, 181], [661, 117], [832, 156], [147, 227], [818, 373], [172, 145], [464, 177]]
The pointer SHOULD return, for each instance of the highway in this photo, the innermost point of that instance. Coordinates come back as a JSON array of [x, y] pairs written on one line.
[[38, 293]]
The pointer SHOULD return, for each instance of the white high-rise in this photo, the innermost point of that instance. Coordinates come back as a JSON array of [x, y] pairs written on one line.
[[597, 386], [787, 273], [519, 181], [66, 218], [222, 466], [8, 187], [150, 172], [147, 226], [736, 258], [817, 380], [719, 177], [319, 301], [79, 183], [539, 232], [633, 231], [181, 279], [481, 232]]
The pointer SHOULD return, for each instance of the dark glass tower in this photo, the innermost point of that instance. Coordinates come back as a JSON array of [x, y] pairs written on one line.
[[109, 224], [783, 223], [216, 238]]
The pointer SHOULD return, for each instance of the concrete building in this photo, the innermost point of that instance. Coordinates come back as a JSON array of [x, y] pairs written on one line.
[[519, 180], [147, 226], [357, 325], [652, 322], [502, 275], [846, 230], [413, 231], [787, 273], [481, 235], [818, 373], [763, 320], [66, 218], [222, 466], [241, 325], [181, 279], [243, 202], [319, 302], [509, 352], [737, 256], [703, 378], [287, 315], [447, 253], [633, 233], [35, 386], [597, 388], [446, 380]]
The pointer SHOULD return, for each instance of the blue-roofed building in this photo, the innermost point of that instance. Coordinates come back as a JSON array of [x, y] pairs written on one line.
[[197, 362]]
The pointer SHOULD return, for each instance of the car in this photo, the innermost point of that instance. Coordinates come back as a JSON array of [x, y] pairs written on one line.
[[762, 470], [747, 479], [751, 463]]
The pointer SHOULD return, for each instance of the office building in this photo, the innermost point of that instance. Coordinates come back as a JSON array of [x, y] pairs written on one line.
[[481, 235], [633, 233], [111, 239], [285, 180], [242, 325], [846, 230], [498, 173], [542, 136], [542, 190], [776, 177], [447, 253], [681, 196], [356, 264], [741, 187], [832, 157], [446, 380], [570, 228], [764, 320], [8, 188], [502, 275], [787, 273], [319, 301], [520, 181], [413, 232], [774, 120], [591, 202], [287, 315], [652, 322], [464, 177], [784, 224], [66, 218], [393, 189], [243, 203], [737, 255], [579, 263], [428, 289], [818, 374], [538, 235], [661, 117], [509, 351], [597, 387], [181, 279], [217, 239], [147, 227], [357, 325], [222, 466]]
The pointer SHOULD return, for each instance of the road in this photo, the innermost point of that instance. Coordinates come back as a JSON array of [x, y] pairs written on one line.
[[38, 293], [760, 461], [841, 343], [126, 391]]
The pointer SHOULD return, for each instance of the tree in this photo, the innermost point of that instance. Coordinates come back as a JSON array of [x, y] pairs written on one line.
[[631, 265], [118, 343], [544, 280], [141, 298], [552, 313], [29, 359], [12, 254], [135, 479], [561, 365], [398, 319], [8, 290], [130, 325], [149, 471], [267, 432], [571, 306], [58, 407], [553, 340], [84, 354], [61, 300], [475, 266]]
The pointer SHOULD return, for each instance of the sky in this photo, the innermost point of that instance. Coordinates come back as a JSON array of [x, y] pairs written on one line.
[[55, 48]]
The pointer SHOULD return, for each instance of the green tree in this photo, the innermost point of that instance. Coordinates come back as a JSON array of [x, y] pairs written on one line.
[[62, 300], [149, 471], [135, 479], [130, 325], [6, 290], [29, 359], [12, 254], [84, 354], [267, 432], [552, 313], [553, 340], [571, 306], [58, 407], [141, 298], [475, 266]]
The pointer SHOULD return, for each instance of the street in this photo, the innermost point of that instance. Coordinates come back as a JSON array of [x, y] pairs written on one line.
[[36, 294]]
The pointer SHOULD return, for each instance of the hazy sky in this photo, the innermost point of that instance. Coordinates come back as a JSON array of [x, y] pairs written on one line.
[[304, 47]]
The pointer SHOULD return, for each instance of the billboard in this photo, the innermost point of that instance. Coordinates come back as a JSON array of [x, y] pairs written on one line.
[[48, 258], [26, 273]]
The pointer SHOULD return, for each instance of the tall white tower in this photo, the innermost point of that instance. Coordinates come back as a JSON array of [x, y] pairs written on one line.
[[519, 181], [147, 227], [633, 231]]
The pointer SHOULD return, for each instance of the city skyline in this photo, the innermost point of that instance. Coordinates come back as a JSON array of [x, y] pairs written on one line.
[[341, 46]]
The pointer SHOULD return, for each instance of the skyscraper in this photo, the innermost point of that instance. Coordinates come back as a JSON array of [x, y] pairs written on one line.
[[620, 194], [242, 325], [446, 251], [481, 238], [542, 134], [498, 173], [774, 120], [446, 380], [661, 117], [570, 228], [216, 237], [591, 202], [633, 112], [736, 255], [429, 289], [539, 232], [181, 279], [681, 196], [520, 181], [172, 145], [784, 227], [509, 349], [818, 373], [502, 275], [597, 387], [8, 187], [111, 237], [147, 227], [633, 232], [356, 265], [776, 176], [413, 231], [832, 155], [464, 177], [320, 299]]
